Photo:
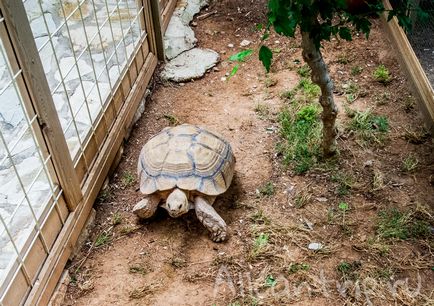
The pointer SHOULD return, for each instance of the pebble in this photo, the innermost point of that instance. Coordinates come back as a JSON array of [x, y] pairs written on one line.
[[223, 79], [315, 246], [368, 163], [245, 43], [230, 45], [321, 199]]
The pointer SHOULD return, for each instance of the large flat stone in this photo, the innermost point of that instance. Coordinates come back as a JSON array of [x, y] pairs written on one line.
[[186, 9], [189, 65], [178, 38]]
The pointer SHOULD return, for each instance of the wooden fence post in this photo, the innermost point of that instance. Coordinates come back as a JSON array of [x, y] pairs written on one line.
[[158, 31], [37, 86]]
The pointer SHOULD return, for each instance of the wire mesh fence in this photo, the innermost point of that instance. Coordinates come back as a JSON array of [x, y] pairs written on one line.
[[422, 38], [87, 49], [28, 194], [84, 46]]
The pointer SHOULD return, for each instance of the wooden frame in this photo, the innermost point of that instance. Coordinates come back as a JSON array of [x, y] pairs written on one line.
[[166, 10], [422, 87], [80, 186]]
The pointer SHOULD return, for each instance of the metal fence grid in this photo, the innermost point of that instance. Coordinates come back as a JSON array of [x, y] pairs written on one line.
[[28, 194], [85, 46], [422, 39]]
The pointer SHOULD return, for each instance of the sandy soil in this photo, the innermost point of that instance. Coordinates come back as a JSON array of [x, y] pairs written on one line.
[[165, 261]]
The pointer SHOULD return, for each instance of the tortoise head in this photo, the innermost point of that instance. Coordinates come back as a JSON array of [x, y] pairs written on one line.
[[177, 203]]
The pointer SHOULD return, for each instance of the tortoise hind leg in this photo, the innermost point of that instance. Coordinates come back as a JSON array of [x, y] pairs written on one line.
[[210, 219], [147, 207]]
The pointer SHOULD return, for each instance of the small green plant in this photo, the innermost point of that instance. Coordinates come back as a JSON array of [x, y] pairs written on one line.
[[351, 90], [172, 119], [304, 71], [259, 244], [102, 239], [270, 82], [262, 110], [356, 70], [393, 223], [128, 179], [287, 95], [295, 267], [349, 270], [309, 89], [381, 74], [345, 183], [270, 281], [267, 189], [368, 127], [302, 136], [116, 218], [383, 98], [409, 164]]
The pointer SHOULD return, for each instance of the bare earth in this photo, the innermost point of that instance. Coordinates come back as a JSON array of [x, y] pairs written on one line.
[[167, 261]]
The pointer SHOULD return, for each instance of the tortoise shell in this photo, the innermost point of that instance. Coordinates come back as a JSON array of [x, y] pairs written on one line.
[[188, 157]]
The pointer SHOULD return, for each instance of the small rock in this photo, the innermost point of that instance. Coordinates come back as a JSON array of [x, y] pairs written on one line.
[[245, 43], [223, 79], [223, 52], [230, 45], [321, 199], [315, 246], [216, 69], [277, 42], [194, 24], [227, 74], [368, 163]]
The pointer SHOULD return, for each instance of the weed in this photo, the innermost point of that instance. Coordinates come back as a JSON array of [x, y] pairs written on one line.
[[383, 98], [267, 189], [259, 244], [417, 136], [302, 198], [172, 119], [310, 90], [178, 262], [287, 95], [128, 179], [259, 218], [393, 223], [356, 70], [381, 74], [349, 270], [351, 90], [128, 229], [116, 218], [295, 267], [368, 127], [409, 164], [140, 268], [270, 82], [262, 110], [408, 103], [104, 195], [302, 135], [343, 59], [145, 290], [304, 71], [102, 239], [377, 180], [270, 281], [345, 183]]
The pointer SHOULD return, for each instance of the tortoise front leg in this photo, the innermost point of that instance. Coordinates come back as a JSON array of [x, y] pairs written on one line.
[[210, 219], [147, 207]]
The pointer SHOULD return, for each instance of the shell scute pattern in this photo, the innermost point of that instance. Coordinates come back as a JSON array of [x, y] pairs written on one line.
[[187, 157]]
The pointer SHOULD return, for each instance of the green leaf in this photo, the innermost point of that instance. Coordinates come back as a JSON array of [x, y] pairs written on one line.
[[259, 26], [343, 206], [345, 33], [241, 56], [270, 281], [265, 36], [265, 56], [234, 70]]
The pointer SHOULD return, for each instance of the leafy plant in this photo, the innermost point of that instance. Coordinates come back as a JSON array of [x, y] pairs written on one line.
[[270, 281], [319, 20], [102, 239], [260, 242], [356, 70], [128, 179], [381, 74], [295, 267], [409, 163], [393, 223], [369, 127], [116, 218], [267, 189]]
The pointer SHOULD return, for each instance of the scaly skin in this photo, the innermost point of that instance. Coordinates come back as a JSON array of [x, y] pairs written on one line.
[[210, 219], [147, 207]]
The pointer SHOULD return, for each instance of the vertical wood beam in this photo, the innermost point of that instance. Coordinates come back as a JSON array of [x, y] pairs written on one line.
[[24, 45], [158, 31]]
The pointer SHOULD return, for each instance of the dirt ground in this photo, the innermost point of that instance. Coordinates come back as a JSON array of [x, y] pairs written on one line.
[[273, 213]]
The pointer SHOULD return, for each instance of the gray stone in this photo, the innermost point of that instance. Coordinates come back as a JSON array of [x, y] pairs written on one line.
[[245, 43], [189, 65], [38, 25], [178, 38], [315, 246], [187, 11]]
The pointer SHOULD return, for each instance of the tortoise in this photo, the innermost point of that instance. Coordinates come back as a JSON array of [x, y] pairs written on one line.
[[185, 167]]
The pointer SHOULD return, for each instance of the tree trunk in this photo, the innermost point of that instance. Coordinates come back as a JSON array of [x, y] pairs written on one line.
[[320, 76]]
